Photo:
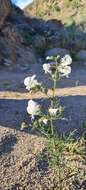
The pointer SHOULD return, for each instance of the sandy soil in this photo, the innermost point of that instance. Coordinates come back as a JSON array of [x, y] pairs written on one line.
[[19, 149]]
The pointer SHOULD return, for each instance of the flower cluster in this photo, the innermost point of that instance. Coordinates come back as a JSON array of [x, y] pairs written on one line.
[[53, 111], [33, 108], [55, 67], [62, 66], [31, 83]]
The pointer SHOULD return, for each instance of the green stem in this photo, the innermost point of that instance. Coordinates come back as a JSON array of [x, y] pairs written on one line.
[[51, 120], [53, 95], [52, 130], [55, 80], [54, 87], [52, 136]]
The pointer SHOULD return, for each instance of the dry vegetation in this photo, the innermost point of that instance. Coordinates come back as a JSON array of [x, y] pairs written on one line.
[[65, 10]]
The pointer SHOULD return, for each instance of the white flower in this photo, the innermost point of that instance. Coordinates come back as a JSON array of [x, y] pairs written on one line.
[[47, 68], [64, 70], [45, 121], [31, 82], [49, 58], [33, 108], [66, 60], [53, 111]]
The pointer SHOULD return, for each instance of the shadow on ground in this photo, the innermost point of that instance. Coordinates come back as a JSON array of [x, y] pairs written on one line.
[[13, 113], [7, 143]]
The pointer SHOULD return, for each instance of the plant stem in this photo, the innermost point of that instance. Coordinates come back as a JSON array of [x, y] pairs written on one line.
[[55, 80], [52, 130], [52, 136], [54, 87], [51, 120]]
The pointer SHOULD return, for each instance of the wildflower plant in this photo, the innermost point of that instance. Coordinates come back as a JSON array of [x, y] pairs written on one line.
[[56, 67]]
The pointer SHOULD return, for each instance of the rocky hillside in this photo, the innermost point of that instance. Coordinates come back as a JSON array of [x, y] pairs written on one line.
[[23, 40], [56, 27], [66, 22], [65, 10], [15, 36]]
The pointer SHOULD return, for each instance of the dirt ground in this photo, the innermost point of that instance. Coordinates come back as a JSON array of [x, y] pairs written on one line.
[[19, 149]]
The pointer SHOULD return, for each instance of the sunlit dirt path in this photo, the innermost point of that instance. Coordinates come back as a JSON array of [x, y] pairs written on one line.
[[69, 91]]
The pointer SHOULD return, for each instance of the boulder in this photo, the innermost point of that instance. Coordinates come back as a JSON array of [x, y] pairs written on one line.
[[56, 51]]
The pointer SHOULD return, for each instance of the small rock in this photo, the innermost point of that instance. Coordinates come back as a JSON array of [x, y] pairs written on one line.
[[7, 62]]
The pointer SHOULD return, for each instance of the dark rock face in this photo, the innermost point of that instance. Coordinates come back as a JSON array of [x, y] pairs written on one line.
[[5, 9], [13, 27]]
